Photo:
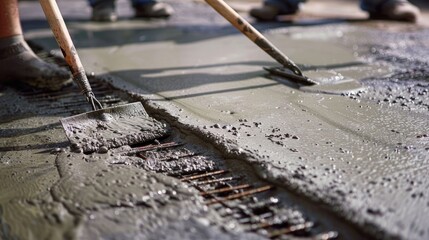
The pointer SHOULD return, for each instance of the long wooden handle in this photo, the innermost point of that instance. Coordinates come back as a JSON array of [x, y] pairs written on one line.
[[254, 35], [62, 35]]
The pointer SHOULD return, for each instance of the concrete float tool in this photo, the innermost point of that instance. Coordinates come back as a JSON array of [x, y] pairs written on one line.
[[100, 129], [289, 70], [323, 80]]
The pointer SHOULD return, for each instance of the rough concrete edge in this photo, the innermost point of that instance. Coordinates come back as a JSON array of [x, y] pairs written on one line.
[[230, 149], [77, 219]]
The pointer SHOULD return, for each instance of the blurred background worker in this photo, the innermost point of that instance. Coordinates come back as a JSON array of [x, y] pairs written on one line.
[[105, 10], [17, 61], [399, 10]]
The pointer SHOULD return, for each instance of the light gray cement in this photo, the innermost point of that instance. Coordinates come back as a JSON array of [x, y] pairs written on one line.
[[367, 161], [49, 192]]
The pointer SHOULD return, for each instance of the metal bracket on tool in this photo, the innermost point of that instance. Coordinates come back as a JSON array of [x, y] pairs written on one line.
[[290, 75], [292, 70]]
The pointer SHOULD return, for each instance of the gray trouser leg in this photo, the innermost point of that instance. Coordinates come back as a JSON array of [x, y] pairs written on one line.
[[284, 5], [374, 5], [142, 2], [366, 5], [111, 3], [102, 3]]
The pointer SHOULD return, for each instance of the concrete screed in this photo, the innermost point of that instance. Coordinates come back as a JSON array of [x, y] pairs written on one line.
[[364, 153]]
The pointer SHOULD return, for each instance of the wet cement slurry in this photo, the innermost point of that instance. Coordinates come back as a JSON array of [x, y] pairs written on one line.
[[27, 172], [364, 156], [51, 192], [109, 195], [107, 128], [117, 195]]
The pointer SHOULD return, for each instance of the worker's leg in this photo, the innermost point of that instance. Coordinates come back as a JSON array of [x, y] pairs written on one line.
[[17, 61], [103, 10], [151, 9], [399, 10], [272, 8]]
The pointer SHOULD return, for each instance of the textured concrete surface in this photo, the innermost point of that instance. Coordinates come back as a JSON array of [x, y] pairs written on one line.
[[362, 153]]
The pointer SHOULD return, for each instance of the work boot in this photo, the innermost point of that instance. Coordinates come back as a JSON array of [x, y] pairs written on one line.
[[153, 10], [104, 12], [396, 10], [270, 12], [19, 63]]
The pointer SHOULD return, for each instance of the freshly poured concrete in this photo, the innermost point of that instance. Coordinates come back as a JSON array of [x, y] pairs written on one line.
[[49, 192], [362, 158], [104, 129], [367, 161]]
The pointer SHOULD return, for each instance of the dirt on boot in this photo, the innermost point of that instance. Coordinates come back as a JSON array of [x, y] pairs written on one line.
[[18, 63]]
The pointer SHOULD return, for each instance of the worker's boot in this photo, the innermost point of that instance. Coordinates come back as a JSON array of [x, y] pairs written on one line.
[[398, 10], [153, 10], [104, 11], [269, 11], [19, 63]]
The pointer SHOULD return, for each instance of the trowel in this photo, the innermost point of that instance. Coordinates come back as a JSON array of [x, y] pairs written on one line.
[[100, 129], [289, 70]]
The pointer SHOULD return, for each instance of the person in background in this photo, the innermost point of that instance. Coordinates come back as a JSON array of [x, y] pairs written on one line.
[[398, 10], [17, 61], [105, 10]]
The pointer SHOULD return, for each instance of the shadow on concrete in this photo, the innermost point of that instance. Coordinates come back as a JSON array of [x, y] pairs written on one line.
[[20, 132], [332, 66], [173, 82], [163, 82], [16, 132], [218, 92], [112, 35], [48, 146]]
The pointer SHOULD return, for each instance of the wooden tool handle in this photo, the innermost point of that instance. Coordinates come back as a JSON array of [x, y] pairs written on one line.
[[254, 35], [62, 35]]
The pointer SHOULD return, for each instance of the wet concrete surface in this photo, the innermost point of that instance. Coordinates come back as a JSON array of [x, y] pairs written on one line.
[[51, 192], [363, 153], [112, 127]]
